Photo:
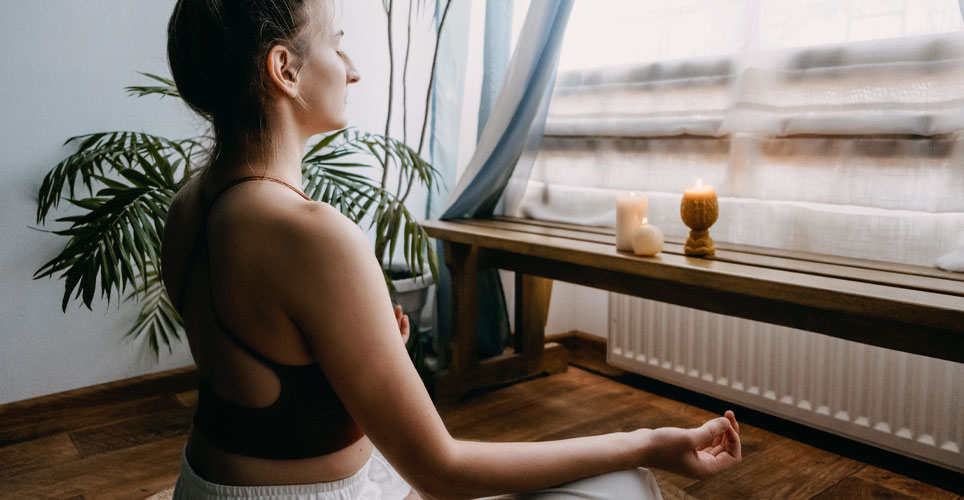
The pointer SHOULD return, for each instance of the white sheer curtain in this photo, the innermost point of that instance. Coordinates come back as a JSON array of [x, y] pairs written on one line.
[[831, 126]]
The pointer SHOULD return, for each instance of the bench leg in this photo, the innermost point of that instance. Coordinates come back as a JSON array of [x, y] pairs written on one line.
[[531, 356], [463, 262], [532, 297]]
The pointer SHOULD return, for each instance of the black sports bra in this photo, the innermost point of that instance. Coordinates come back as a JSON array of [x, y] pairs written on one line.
[[307, 419]]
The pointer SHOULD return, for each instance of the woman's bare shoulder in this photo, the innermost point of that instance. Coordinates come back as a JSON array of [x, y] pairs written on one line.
[[318, 253], [322, 228], [316, 216]]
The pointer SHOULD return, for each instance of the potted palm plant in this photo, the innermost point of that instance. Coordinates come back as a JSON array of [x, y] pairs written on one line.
[[121, 184]]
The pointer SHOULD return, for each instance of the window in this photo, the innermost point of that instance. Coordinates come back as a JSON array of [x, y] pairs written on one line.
[[826, 126]]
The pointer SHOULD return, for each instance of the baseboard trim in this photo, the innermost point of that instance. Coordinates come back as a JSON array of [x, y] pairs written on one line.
[[175, 380]]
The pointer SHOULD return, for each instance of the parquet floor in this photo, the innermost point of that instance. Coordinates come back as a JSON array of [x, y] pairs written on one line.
[[123, 440]]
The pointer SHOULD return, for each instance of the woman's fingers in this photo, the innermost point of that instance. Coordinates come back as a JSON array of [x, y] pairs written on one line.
[[403, 324], [732, 417], [711, 451], [732, 437], [732, 444], [716, 442], [705, 434]]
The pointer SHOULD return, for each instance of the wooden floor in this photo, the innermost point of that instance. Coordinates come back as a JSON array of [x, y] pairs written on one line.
[[123, 440]]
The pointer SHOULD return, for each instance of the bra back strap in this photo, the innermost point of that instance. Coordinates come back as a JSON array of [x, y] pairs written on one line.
[[207, 209], [250, 178]]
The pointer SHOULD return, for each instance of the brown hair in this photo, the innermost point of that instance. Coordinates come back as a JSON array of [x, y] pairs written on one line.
[[217, 51]]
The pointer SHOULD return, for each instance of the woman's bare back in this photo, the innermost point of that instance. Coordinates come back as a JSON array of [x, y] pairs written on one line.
[[242, 252]]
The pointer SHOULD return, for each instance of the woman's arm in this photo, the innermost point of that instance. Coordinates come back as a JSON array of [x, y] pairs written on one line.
[[336, 294]]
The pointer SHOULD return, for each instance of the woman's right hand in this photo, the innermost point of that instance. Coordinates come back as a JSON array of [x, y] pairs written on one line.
[[697, 453], [403, 323]]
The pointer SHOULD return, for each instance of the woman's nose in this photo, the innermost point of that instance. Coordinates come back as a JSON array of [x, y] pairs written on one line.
[[353, 75]]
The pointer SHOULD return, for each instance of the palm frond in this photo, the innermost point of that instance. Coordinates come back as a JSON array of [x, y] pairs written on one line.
[[166, 89], [399, 155], [313, 153], [102, 154], [348, 192], [158, 319], [343, 185], [115, 242]]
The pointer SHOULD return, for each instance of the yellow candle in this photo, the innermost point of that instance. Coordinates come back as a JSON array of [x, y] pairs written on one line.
[[699, 211], [699, 191], [630, 211]]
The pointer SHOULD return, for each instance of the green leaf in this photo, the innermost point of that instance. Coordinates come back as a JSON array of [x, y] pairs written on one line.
[[157, 320], [324, 143], [103, 152], [166, 89]]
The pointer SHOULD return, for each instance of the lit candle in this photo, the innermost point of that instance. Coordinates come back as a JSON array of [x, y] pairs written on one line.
[[630, 212], [647, 239], [699, 211], [700, 191]]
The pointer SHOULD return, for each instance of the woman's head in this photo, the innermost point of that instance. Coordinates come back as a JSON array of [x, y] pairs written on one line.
[[231, 59]]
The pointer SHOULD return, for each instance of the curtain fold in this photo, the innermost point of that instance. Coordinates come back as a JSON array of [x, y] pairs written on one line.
[[513, 125], [495, 60]]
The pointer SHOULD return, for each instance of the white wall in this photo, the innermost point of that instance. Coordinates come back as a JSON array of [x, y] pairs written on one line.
[[65, 64], [575, 307]]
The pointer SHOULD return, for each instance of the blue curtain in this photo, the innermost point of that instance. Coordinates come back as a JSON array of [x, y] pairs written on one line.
[[495, 60], [515, 123]]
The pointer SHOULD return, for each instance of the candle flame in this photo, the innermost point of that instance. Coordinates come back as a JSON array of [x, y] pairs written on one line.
[[699, 182], [645, 220]]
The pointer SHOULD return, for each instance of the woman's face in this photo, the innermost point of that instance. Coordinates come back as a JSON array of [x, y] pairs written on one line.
[[326, 73]]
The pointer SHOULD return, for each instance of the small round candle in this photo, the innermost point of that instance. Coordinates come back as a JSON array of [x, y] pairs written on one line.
[[631, 209], [647, 240]]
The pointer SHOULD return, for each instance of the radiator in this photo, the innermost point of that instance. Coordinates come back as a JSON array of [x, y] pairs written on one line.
[[897, 401]]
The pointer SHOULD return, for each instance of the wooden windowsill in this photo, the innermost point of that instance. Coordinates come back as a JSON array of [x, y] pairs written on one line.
[[909, 308]]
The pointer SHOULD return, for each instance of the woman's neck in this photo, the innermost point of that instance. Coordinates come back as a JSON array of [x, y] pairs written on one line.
[[282, 161]]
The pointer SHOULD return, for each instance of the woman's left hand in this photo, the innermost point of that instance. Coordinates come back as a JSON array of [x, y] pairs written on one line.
[[403, 325], [696, 453]]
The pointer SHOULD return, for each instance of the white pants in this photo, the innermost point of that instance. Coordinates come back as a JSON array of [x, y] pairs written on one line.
[[633, 484], [378, 480]]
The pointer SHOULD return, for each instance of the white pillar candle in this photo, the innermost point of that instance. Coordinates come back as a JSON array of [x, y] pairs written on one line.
[[647, 240], [630, 212]]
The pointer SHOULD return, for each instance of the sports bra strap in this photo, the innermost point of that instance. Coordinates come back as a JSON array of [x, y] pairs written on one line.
[[202, 230], [203, 246], [249, 178]]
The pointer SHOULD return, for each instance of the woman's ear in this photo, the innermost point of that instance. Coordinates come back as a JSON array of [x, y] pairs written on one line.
[[282, 74]]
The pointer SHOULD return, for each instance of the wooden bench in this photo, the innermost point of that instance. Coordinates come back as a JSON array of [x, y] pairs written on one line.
[[907, 308]]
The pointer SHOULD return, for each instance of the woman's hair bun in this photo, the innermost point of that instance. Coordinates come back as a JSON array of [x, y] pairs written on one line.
[[217, 49]]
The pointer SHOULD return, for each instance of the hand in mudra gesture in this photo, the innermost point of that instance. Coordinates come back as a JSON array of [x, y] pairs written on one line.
[[403, 325], [698, 453]]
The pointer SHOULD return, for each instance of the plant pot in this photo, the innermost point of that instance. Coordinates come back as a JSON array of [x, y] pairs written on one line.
[[410, 293]]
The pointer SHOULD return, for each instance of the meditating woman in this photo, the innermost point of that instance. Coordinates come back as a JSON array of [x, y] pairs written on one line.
[[306, 389]]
